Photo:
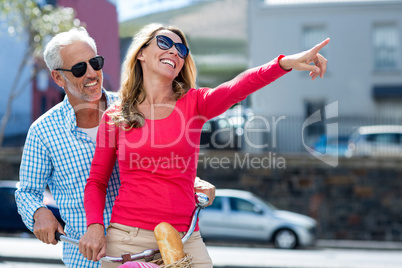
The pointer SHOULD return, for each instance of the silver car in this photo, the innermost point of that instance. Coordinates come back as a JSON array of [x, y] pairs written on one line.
[[377, 140], [10, 220], [241, 215]]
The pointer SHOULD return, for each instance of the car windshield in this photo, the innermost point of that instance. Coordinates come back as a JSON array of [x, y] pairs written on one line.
[[270, 205]]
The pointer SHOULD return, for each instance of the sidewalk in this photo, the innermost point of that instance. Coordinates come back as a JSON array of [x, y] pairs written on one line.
[[32, 250], [29, 250], [354, 244]]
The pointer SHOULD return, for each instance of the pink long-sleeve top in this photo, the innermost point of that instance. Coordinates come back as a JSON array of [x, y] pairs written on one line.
[[158, 162]]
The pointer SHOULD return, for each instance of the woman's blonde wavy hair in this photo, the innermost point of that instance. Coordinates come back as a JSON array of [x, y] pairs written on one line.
[[132, 92]]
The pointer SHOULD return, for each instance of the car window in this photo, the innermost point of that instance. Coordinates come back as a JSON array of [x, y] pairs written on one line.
[[371, 137], [217, 204], [241, 205], [206, 127], [7, 199], [7, 195], [384, 138]]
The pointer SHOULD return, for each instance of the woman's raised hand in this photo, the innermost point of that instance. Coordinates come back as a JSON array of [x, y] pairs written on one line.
[[302, 61]]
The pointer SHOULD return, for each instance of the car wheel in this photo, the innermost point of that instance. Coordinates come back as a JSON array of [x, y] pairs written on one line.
[[285, 239]]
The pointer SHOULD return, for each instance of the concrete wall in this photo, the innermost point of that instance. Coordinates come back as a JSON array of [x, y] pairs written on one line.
[[360, 199]]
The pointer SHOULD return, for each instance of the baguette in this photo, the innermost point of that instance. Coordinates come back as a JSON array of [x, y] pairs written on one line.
[[169, 243]]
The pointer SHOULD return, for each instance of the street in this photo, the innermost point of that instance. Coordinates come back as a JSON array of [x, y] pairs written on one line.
[[31, 253], [311, 258], [8, 264]]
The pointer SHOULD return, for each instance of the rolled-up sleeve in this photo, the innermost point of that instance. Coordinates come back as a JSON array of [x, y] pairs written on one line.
[[35, 171]]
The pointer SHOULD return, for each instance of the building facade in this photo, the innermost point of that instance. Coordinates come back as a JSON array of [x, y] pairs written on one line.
[[102, 25], [215, 30], [363, 78], [11, 55], [99, 17]]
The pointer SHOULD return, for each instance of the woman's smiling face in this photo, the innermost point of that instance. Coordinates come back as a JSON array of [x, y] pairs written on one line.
[[165, 63]]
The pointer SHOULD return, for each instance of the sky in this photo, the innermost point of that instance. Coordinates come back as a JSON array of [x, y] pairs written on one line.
[[128, 9]]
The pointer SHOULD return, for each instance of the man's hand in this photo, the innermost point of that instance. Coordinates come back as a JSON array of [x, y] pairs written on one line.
[[201, 186], [92, 244], [46, 225]]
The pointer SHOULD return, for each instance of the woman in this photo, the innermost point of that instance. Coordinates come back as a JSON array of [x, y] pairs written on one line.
[[154, 133]]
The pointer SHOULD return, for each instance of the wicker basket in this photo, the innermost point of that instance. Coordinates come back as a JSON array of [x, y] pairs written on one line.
[[186, 262]]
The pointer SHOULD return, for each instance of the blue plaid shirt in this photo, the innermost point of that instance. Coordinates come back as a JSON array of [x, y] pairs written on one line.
[[58, 155]]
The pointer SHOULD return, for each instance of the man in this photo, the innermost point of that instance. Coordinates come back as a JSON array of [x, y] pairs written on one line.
[[60, 145]]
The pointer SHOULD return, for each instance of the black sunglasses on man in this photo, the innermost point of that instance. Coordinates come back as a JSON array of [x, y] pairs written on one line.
[[79, 69]]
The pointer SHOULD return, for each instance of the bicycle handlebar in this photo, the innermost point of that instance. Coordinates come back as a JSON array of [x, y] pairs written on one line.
[[201, 201]]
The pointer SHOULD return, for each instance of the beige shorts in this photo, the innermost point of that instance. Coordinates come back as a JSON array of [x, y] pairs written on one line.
[[125, 239]]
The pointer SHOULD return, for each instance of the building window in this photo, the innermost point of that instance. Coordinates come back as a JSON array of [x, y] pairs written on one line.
[[386, 44], [43, 104], [317, 129], [312, 35]]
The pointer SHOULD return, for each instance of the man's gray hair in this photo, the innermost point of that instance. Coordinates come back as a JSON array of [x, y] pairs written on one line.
[[52, 55]]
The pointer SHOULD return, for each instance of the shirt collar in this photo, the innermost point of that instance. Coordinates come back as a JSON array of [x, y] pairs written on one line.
[[69, 113]]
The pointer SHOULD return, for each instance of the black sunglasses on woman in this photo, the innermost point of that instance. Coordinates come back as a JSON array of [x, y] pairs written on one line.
[[166, 43]]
